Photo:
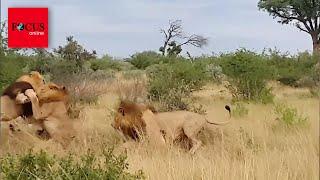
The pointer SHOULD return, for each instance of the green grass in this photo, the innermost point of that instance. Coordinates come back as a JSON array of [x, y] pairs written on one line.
[[90, 166], [289, 116]]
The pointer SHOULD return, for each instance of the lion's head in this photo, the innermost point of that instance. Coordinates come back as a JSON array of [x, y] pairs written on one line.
[[52, 92], [34, 78], [128, 119]]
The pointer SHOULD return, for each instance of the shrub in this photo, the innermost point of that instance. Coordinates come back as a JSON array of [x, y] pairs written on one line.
[[12, 67], [248, 72], [43, 166], [289, 70], [107, 63], [144, 59], [171, 83], [214, 73], [84, 85], [315, 92], [289, 80], [133, 74], [63, 68], [239, 110], [289, 116], [99, 64]]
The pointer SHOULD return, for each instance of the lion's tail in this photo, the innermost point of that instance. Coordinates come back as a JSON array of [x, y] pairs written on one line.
[[225, 122]]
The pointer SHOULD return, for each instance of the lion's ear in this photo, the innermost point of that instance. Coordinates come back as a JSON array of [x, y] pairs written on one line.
[[121, 110]]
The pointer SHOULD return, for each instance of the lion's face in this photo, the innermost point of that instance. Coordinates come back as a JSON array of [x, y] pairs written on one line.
[[37, 77], [128, 119], [52, 92], [34, 78]]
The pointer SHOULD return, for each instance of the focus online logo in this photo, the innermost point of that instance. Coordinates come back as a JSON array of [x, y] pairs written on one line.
[[32, 28], [28, 27], [20, 26]]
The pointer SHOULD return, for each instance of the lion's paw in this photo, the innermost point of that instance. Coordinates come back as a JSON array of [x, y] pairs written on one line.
[[22, 99], [30, 93]]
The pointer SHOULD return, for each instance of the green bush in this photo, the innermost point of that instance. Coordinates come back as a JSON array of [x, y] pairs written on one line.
[[214, 73], [249, 73], [289, 80], [99, 64], [44, 166], [107, 63], [290, 70], [289, 116], [133, 74], [171, 83], [11, 68], [144, 59], [239, 110]]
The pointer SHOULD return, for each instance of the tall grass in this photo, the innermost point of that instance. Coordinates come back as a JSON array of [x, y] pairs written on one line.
[[248, 148]]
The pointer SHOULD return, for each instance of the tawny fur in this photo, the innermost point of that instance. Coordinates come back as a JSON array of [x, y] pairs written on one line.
[[14, 102], [52, 115], [182, 124], [52, 92], [34, 78], [128, 120], [174, 126], [135, 121]]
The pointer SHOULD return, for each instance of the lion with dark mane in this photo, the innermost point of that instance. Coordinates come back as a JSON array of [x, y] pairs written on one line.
[[134, 122], [14, 102], [167, 127]]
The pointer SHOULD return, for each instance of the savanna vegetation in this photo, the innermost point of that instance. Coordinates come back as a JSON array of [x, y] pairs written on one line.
[[274, 131], [169, 82]]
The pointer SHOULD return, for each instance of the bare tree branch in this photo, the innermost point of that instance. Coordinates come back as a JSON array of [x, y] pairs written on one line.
[[175, 33], [195, 40], [174, 30]]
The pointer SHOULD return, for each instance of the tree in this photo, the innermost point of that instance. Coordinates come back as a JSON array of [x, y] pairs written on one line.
[[73, 51], [4, 50], [174, 39], [3, 38], [304, 14]]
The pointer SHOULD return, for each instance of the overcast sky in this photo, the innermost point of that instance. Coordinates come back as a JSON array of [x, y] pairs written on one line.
[[123, 27]]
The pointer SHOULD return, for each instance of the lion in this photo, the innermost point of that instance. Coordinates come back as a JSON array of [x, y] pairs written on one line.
[[179, 124], [14, 102], [34, 78], [171, 125], [50, 111], [134, 121]]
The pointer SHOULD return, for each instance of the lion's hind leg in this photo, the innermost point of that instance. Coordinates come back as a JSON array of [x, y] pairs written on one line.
[[196, 144], [61, 132], [182, 140], [191, 130]]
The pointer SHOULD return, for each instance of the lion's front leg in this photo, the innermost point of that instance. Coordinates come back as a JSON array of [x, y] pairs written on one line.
[[38, 112]]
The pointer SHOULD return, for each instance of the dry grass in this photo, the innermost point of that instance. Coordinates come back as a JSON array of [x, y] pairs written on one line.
[[254, 146]]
